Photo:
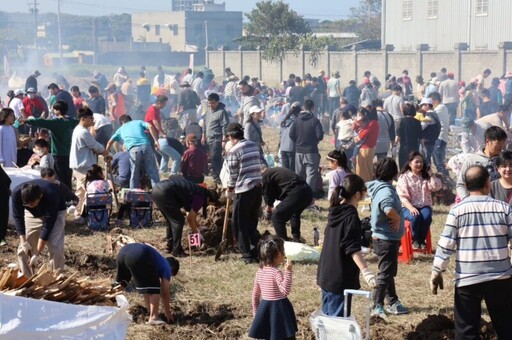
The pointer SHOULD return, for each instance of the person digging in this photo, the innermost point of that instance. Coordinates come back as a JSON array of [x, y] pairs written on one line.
[[151, 274]]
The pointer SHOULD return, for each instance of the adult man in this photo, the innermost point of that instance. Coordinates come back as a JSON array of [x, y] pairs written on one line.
[[100, 79], [197, 84], [5, 184], [151, 273], [432, 129], [16, 104], [500, 118], [174, 90], [96, 102], [82, 156], [65, 97], [307, 132], [322, 90], [173, 194], [31, 81], [294, 195], [297, 93], [472, 139], [188, 101], [188, 77], [102, 129], [215, 123], [479, 230], [449, 91], [244, 185], [393, 104], [248, 98], [495, 139], [61, 128], [39, 214], [386, 130], [120, 77], [162, 80], [333, 92], [480, 79], [487, 106], [34, 105], [352, 93], [136, 142], [440, 145]]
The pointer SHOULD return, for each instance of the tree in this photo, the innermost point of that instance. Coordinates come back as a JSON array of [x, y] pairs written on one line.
[[275, 28], [368, 19]]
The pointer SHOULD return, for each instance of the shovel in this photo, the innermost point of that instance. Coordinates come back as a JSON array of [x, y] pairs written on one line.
[[114, 186], [223, 243]]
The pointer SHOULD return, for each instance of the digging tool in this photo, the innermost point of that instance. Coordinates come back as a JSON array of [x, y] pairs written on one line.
[[114, 186], [223, 243]]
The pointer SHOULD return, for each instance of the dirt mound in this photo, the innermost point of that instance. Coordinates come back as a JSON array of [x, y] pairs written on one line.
[[443, 327], [89, 264], [139, 313]]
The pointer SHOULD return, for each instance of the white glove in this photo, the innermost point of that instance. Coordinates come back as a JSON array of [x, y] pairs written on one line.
[[230, 194], [25, 247], [369, 278], [436, 281], [71, 209], [34, 261]]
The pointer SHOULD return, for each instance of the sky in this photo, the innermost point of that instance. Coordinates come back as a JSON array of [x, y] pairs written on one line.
[[316, 9]]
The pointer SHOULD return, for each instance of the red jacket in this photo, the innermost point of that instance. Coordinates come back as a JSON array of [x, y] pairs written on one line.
[[370, 134]]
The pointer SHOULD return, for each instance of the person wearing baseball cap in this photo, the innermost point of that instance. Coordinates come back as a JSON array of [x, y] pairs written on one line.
[[245, 188], [431, 126]]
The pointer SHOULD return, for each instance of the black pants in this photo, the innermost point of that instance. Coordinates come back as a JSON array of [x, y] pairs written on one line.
[[215, 148], [4, 210], [498, 299], [290, 209], [288, 160], [246, 208], [62, 169], [175, 219], [387, 254], [403, 153]]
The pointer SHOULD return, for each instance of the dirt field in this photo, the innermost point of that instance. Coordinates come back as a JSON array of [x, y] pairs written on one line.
[[212, 300]]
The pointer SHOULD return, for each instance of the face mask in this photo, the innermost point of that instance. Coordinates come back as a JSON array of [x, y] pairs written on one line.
[[39, 153], [31, 95]]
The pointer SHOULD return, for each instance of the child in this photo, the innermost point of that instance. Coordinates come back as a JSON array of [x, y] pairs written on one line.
[[194, 162], [273, 313], [48, 174], [338, 164], [8, 142], [345, 131], [41, 157], [95, 181], [341, 258]]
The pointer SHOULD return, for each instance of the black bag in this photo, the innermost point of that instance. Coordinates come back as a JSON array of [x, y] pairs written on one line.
[[366, 232]]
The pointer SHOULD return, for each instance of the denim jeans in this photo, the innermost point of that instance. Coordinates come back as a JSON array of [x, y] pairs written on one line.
[[420, 224], [215, 149], [142, 157], [452, 110], [167, 152], [387, 255], [440, 156], [333, 304], [429, 148]]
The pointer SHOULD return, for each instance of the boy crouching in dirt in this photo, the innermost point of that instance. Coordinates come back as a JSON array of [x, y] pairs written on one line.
[[151, 273]]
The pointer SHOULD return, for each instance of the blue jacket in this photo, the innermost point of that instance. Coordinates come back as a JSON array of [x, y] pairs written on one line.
[[384, 198]]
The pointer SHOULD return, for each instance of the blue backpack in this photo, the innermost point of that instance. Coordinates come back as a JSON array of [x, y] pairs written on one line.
[[141, 208], [99, 207]]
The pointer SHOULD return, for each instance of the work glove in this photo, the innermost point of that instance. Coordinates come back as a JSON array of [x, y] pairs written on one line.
[[35, 261], [267, 215], [436, 281], [71, 209], [230, 195], [369, 278], [25, 247]]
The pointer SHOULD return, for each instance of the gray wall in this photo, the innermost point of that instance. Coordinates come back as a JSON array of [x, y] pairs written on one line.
[[456, 22], [352, 64]]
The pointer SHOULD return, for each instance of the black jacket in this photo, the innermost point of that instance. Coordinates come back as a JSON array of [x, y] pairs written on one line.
[[180, 191], [278, 182], [337, 270], [306, 132]]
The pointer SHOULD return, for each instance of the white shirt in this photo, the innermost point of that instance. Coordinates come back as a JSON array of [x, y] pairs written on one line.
[[100, 121], [392, 105], [16, 105]]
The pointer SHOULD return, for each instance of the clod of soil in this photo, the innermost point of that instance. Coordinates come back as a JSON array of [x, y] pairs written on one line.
[[89, 264], [139, 313], [436, 327]]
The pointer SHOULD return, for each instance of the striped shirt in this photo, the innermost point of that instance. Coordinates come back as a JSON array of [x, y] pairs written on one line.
[[244, 165], [479, 229], [270, 284]]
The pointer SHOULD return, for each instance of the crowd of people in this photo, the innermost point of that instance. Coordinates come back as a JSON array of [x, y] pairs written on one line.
[[168, 134]]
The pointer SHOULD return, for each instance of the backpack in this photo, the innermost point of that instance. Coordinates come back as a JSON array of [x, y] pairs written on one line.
[[141, 208], [99, 206]]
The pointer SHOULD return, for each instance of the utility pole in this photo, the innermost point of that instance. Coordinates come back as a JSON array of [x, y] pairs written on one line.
[[33, 10], [206, 42], [58, 30], [94, 34]]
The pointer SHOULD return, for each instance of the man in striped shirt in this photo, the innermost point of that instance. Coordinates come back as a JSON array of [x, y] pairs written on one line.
[[479, 229], [245, 188]]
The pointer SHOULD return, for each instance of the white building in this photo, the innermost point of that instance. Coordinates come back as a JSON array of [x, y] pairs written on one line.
[[481, 24]]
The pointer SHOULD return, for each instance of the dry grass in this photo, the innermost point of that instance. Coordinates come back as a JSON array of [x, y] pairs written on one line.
[[212, 300]]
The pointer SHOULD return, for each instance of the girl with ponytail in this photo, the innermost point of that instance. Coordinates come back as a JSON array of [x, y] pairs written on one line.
[[341, 259]]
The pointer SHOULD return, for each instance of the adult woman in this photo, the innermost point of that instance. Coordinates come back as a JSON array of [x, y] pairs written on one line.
[[501, 188], [8, 142], [252, 129], [366, 139], [286, 145], [467, 104], [341, 259], [409, 134], [415, 187]]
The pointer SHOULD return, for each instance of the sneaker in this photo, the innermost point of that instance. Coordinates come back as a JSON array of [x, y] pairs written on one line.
[[378, 311], [3, 243], [415, 245], [397, 308], [80, 220], [423, 246]]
